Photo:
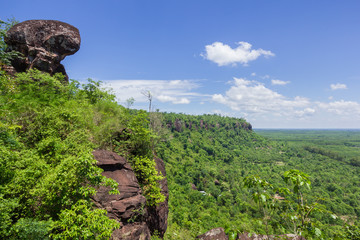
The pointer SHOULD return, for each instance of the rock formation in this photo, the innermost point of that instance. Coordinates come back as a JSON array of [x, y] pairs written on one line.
[[214, 234], [129, 208], [43, 44]]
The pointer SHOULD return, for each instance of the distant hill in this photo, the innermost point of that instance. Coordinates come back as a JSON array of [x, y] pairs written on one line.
[[207, 158]]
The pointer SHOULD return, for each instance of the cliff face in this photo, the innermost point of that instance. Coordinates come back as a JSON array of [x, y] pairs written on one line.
[[129, 208]]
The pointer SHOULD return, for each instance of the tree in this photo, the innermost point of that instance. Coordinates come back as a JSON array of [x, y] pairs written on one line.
[[262, 194], [149, 97], [297, 210], [5, 55]]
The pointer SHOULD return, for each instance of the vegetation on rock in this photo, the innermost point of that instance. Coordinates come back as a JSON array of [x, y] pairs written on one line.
[[48, 173]]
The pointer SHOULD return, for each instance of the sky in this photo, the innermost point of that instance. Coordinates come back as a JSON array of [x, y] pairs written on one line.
[[278, 64]]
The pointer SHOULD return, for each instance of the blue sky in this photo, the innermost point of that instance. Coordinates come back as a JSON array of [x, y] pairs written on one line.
[[278, 64]]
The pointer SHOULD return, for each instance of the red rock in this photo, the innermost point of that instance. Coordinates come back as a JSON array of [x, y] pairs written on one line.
[[43, 43], [129, 208], [134, 231]]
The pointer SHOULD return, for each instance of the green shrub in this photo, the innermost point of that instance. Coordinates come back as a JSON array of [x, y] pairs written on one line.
[[83, 222], [148, 177]]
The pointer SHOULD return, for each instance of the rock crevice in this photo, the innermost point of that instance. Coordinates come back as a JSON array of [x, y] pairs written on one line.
[[138, 221]]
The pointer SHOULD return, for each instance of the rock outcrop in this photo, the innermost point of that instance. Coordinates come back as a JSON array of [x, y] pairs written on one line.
[[214, 234], [129, 208], [43, 44]]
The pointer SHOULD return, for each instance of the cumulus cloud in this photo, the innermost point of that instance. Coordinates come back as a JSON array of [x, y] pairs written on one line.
[[173, 91], [279, 82], [305, 112], [174, 100], [223, 54], [251, 97], [338, 86], [342, 107]]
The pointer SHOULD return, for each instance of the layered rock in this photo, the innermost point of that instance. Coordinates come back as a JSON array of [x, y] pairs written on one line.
[[129, 208], [43, 44]]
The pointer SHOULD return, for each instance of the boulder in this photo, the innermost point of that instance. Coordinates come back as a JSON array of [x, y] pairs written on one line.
[[43, 44], [134, 231], [214, 234]]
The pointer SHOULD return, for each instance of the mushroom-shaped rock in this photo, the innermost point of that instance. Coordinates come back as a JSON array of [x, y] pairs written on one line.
[[43, 44]]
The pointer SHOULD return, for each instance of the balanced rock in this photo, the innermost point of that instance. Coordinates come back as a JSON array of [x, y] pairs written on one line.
[[43, 44]]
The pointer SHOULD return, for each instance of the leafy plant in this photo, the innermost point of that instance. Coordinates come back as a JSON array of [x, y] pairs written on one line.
[[5, 55], [83, 222], [148, 177]]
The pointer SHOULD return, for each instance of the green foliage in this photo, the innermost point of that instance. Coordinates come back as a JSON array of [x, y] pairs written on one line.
[[298, 179], [48, 131], [6, 56], [351, 232], [7, 207], [148, 177], [94, 93], [28, 228], [294, 207], [207, 158], [83, 222]]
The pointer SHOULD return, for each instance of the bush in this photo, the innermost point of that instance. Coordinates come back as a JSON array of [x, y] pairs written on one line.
[[148, 176]]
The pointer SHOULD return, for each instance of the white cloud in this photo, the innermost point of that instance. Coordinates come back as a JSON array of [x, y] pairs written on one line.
[[279, 82], [251, 97], [223, 54], [343, 108], [338, 86], [305, 112], [253, 74], [173, 91], [174, 100]]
